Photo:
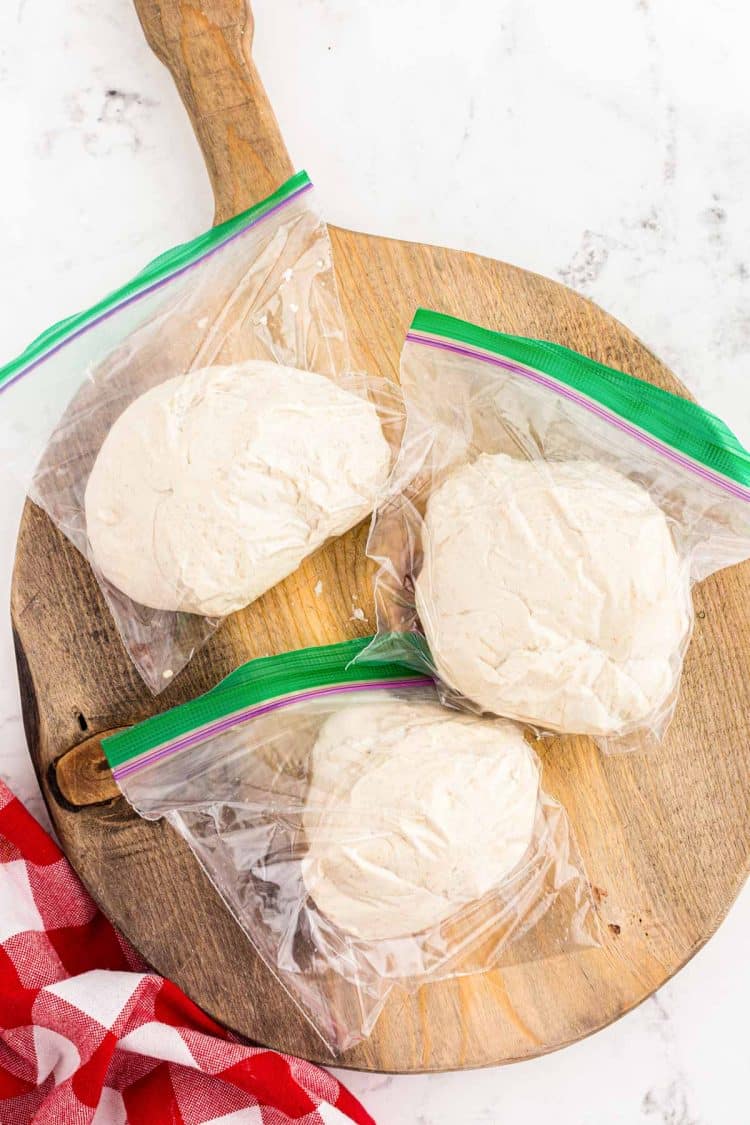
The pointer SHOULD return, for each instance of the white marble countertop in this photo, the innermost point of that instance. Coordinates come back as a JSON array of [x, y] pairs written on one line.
[[602, 144]]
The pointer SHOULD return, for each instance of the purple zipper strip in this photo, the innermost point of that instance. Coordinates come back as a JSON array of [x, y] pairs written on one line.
[[580, 400], [152, 288], [222, 725]]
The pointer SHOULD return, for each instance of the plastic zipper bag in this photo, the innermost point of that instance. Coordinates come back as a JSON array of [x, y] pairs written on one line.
[[364, 836], [542, 528], [197, 433]]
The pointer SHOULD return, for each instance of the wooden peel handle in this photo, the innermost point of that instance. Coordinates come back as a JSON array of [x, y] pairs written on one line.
[[206, 46]]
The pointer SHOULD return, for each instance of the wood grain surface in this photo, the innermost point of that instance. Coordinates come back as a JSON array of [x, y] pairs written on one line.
[[666, 837]]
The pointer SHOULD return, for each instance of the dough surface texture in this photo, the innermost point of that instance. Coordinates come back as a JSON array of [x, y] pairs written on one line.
[[552, 593], [213, 486], [413, 811]]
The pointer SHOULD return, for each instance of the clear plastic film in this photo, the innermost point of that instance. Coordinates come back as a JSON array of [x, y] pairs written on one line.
[[364, 836], [542, 528], [198, 433]]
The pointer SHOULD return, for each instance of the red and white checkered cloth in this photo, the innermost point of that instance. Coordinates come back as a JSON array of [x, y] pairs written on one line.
[[88, 1035]]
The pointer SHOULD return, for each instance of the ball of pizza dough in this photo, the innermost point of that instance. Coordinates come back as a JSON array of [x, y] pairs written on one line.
[[413, 810], [213, 486], [553, 593]]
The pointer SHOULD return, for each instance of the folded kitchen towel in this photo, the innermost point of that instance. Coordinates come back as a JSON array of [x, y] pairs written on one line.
[[89, 1035]]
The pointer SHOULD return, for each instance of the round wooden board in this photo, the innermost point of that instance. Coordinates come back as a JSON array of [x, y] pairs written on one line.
[[665, 837]]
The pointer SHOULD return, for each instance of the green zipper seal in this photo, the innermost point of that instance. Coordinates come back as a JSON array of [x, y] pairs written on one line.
[[674, 427], [156, 274], [276, 681]]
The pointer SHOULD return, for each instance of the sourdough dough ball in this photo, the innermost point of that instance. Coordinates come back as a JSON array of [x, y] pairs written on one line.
[[413, 810], [553, 593], [214, 486]]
